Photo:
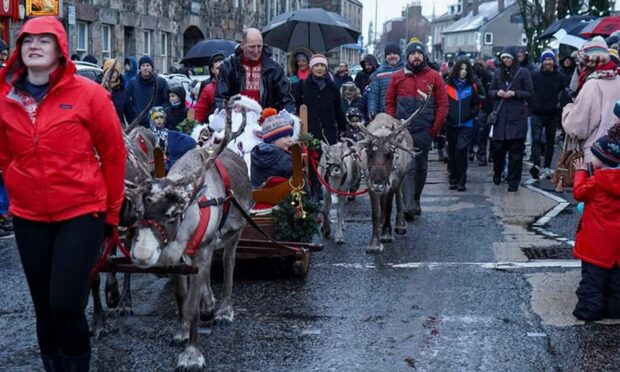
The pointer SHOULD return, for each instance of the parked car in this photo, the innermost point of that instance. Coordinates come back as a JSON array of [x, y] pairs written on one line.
[[89, 70]]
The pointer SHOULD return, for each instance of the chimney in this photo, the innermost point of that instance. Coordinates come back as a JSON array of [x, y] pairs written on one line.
[[500, 5], [464, 7], [475, 7]]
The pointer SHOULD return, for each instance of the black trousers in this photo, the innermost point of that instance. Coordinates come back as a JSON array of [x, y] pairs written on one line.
[[543, 136], [598, 292], [459, 141], [481, 135], [415, 176], [515, 150], [57, 259]]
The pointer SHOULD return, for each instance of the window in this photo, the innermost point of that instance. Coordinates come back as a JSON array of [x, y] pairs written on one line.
[[164, 52], [106, 41], [148, 42], [488, 38], [82, 39]]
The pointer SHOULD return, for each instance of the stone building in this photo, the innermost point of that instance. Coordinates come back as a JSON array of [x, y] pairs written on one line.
[[399, 30]]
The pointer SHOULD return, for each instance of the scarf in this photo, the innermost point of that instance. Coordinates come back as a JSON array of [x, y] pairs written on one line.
[[321, 82], [607, 71], [302, 75]]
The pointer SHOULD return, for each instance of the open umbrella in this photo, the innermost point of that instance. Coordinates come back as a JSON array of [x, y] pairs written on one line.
[[313, 28], [572, 26], [201, 52], [603, 27]]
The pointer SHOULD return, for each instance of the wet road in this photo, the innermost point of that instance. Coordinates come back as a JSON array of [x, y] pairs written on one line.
[[456, 293]]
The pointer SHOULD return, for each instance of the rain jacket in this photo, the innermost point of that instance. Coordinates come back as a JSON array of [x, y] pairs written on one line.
[[362, 79], [463, 104], [598, 232], [402, 99], [206, 103], [275, 89], [379, 82], [65, 156], [269, 161]]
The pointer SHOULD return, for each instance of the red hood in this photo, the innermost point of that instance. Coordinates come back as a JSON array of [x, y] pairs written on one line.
[[39, 25], [609, 180]]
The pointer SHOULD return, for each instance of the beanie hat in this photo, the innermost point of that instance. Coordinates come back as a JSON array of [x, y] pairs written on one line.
[[276, 126], [156, 111], [90, 59], [444, 68], [607, 150], [594, 52], [548, 53], [415, 46], [177, 89], [316, 59], [614, 55], [146, 59], [491, 64], [391, 48]]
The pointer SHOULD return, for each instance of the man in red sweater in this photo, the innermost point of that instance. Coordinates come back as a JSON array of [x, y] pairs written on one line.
[[401, 100]]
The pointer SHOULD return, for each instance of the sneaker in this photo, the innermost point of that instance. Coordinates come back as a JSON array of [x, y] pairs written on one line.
[[547, 173], [535, 172], [497, 179], [513, 188], [461, 188]]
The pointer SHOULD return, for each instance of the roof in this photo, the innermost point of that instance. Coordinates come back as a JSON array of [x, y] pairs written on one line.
[[446, 17], [486, 12]]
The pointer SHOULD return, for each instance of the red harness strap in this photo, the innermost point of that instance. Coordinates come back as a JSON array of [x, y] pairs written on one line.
[[142, 144], [205, 211], [110, 243]]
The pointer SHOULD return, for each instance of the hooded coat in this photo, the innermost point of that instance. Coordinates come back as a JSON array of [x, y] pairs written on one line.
[[598, 232], [511, 121], [362, 78], [133, 71], [176, 114], [64, 156]]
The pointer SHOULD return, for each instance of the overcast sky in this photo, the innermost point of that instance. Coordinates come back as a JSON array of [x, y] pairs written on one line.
[[392, 8]]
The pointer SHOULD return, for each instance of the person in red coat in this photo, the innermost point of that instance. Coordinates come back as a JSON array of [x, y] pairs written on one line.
[[63, 158], [598, 234], [206, 100]]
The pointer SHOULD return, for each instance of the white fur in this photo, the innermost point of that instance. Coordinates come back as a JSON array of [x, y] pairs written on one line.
[[145, 251], [191, 358]]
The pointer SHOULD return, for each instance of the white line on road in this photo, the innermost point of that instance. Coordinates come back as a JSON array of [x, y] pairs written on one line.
[[544, 220], [533, 264]]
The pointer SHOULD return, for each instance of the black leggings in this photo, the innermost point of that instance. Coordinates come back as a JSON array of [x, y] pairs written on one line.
[[57, 259]]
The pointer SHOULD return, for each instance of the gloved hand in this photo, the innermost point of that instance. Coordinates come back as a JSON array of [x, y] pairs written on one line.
[[108, 230]]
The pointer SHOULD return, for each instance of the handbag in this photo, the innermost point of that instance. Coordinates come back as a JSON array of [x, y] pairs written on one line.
[[492, 117], [562, 177]]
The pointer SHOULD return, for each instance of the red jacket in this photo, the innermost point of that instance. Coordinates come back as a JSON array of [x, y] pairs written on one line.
[[402, 99], [206, 101], [598, 232], [65, 156]]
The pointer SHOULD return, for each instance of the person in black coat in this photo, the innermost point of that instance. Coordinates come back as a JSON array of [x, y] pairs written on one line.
[[369, 65], [176, 111], [548, 83], [481, 137], [272, 157], [114, 83], [512, 87]]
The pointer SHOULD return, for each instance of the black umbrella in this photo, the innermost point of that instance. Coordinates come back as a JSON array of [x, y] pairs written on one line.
[[572, 26], [314, 28], [201, 52]]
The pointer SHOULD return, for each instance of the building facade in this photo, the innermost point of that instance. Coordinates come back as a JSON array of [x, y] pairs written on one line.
[[400, 30], [438, 25]]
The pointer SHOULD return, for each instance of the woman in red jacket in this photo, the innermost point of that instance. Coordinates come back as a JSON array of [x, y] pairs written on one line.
[[598, 234], [63, 159]]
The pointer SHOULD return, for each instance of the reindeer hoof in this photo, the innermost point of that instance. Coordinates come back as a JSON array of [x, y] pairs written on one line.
[[400, 230], [190, 360], [112, 296], [375, 249], [340, 241], [100, 328], [387, 238], [224, 316], [180, 339]]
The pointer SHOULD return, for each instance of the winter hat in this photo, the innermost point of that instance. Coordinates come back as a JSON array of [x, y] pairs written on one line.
[[301, 54], [607, 148], [90, 59], [444, 68], [548, 53], [177, 89], [157, 111], [613, 54], [491, 64], [146, 59], [354, 112], [594, 52], [391, 48], [415, 45], [316, 59], [276, 126]]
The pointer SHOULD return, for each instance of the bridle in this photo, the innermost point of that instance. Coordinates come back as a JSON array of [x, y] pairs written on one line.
[[155, 226]]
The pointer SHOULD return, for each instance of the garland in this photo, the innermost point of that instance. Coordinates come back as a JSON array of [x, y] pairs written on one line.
[[311, 142], [296, 218], [187, 125]]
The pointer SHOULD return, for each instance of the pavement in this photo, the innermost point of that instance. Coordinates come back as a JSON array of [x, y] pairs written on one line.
[[455, 293]]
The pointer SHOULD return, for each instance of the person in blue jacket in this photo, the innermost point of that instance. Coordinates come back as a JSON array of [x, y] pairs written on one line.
[[141, 88], [131, 70], [272, 157], [380, 79], [174, 143]]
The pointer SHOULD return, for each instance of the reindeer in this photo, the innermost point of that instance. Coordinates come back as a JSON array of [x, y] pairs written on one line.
[[169, 211], [340, 166], [387, 145]]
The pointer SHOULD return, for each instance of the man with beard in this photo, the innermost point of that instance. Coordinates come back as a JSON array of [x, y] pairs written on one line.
[[545, 109], [142, 87], [252, 72], [342, 74], [402, 99], [511, 86]]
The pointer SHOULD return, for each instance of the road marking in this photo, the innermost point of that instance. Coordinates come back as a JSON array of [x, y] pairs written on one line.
[[533, 264], [538, 226]]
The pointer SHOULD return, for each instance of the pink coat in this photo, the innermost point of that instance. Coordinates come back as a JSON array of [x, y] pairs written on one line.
[[592, 113]]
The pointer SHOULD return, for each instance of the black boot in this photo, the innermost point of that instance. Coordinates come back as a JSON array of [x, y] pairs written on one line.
[[79, 363], [51, 363]]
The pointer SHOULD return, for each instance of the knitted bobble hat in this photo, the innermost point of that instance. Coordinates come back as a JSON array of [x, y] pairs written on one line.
[[276, 126], [607, 148], [594, 52]]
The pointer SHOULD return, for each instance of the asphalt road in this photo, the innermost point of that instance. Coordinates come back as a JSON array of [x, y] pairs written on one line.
[[455, 293]]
